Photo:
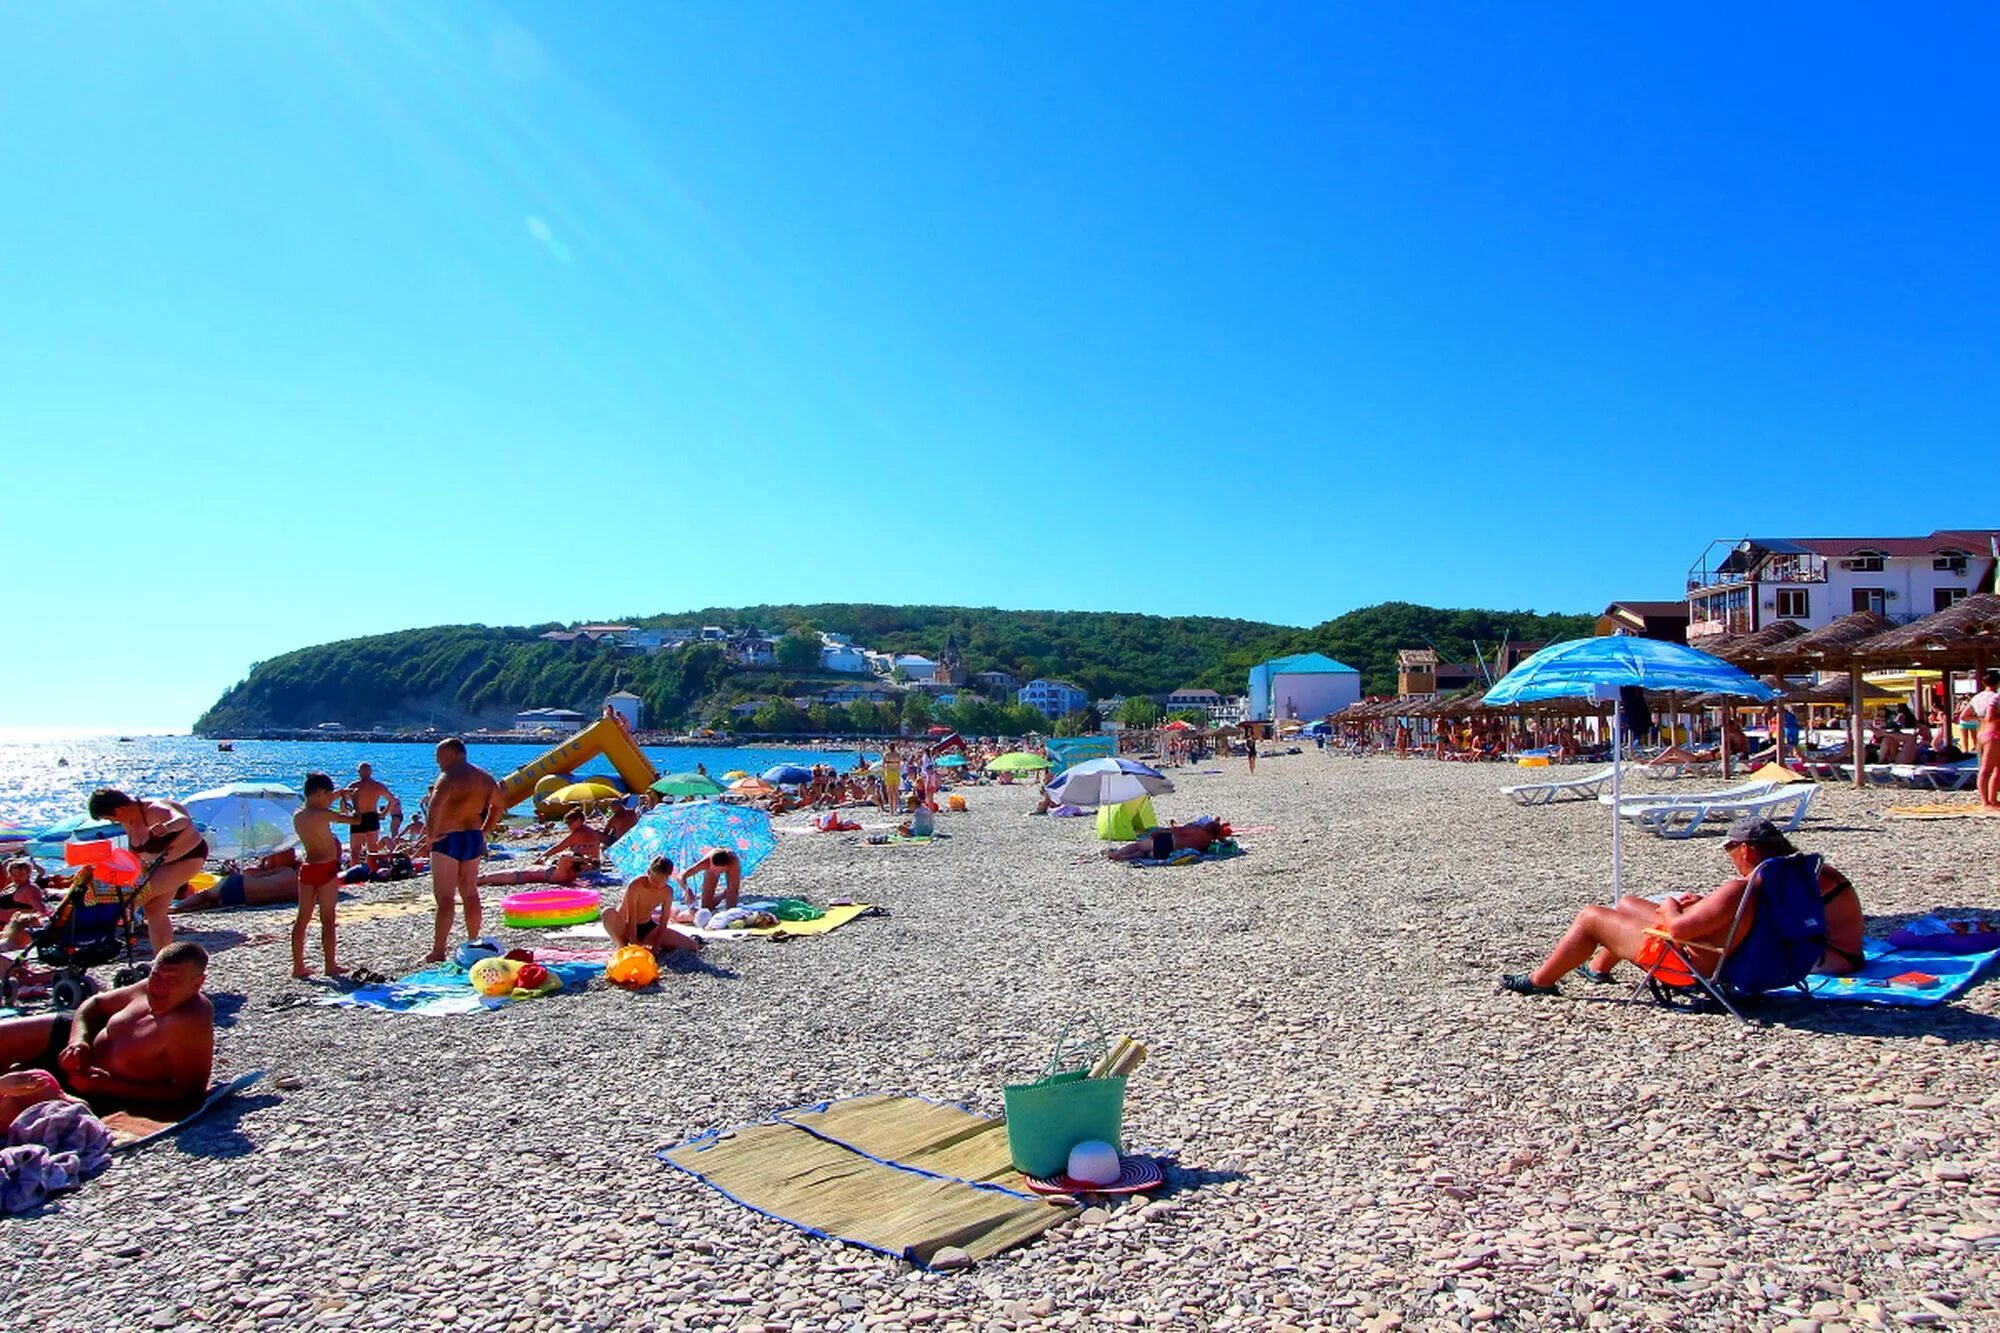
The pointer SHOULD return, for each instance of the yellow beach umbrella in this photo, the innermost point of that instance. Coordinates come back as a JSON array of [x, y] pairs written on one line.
[[734, 774], [584, 793]]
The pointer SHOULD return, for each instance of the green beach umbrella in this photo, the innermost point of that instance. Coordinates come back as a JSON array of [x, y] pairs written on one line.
[[1020, 761], [688, 784]]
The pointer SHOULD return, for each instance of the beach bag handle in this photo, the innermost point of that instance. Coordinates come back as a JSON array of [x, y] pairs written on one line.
[[1078, 1054]]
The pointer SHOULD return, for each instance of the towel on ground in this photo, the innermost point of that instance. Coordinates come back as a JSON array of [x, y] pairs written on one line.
[[51, 1147], [443, 990], [1921, 965]]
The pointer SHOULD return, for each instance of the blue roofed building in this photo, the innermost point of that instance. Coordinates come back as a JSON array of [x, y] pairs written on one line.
[[1302, 686]]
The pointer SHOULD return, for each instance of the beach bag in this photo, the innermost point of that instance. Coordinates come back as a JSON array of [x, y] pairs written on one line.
[[1064, 1107]]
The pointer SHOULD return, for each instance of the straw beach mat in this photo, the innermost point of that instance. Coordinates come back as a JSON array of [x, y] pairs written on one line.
[[899, 1175], [1939, 811]]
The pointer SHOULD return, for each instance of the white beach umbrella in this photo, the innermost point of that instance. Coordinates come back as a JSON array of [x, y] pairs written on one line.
[[1108, 782], [245, 819]]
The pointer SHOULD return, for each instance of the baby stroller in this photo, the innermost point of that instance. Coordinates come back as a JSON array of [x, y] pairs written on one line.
[[92, 925]]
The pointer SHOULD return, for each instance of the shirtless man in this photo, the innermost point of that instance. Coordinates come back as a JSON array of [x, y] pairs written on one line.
[[1602, 937], [366, 798], [464, 806], [645, 914], [166, 841], [1162, 843], [151, 1043], [254, 887], [716, 867], [620, 822]]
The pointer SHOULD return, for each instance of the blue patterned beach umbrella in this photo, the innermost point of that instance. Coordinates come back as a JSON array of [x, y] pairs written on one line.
[[1575, 668], [684, 833], [1589, 668], [787, 775]]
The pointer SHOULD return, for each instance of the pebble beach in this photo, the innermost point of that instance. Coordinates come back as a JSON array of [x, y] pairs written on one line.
[[1361, 1131]]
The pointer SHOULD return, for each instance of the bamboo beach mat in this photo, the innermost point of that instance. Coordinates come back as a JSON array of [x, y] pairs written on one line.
[[899, 1175]]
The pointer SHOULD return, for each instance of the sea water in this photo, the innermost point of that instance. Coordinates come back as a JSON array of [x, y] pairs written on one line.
[[42, 782]]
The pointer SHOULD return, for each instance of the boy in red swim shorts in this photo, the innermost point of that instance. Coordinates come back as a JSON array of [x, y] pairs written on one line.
[[319, 876]]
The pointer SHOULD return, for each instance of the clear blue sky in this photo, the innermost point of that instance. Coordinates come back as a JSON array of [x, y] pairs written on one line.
[[323, 319]]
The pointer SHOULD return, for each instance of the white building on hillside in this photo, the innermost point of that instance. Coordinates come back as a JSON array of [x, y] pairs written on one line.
[[549, 719], [1303, 686], [1741, 586], [628, 706], [843, 657], [916, 667]]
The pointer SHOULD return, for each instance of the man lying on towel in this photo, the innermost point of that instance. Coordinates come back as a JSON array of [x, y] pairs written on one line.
[[150, 1044], [1162, 843], [1602, 937]]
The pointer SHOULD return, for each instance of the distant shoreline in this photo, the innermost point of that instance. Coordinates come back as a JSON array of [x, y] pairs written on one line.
[[656, 740]]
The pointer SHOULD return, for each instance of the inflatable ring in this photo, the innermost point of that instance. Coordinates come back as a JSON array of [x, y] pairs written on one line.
[[550, 907]]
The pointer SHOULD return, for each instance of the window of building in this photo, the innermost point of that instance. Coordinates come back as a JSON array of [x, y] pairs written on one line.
[[1864, 562], [1871, 599], [1943, 599], [1794, 604]]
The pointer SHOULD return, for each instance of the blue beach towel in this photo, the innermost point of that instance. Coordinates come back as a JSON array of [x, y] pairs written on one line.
[[1955, 971], [442, 990]]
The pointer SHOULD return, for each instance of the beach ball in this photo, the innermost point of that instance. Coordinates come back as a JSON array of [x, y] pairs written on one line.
[[1095, 1162], [632, 966], [493, 976]]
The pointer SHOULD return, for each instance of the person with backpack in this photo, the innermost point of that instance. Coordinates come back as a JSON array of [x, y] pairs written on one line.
[[1602, 937]]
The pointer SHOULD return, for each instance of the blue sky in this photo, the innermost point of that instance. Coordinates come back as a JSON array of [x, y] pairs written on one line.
[[327, 319]]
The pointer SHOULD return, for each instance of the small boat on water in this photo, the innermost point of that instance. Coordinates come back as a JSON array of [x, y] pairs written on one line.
[[124, 740], [226, 747]]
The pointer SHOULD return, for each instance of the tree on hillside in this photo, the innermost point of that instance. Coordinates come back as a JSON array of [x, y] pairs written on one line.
[[797, 652], [1139, 712], [916, 713]]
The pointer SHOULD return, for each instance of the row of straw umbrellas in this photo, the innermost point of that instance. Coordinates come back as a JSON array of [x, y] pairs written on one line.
[[1964, 637]]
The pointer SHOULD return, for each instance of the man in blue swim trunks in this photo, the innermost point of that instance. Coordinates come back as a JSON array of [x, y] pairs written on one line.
[[465, 806]]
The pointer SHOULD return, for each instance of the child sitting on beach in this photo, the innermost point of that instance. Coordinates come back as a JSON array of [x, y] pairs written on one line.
[[716, 867], [646, 913], [319, 877]]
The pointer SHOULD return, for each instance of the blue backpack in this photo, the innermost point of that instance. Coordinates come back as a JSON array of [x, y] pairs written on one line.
[[1788, 936]]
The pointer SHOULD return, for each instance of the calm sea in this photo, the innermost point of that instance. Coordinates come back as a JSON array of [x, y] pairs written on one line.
[[37, 788]]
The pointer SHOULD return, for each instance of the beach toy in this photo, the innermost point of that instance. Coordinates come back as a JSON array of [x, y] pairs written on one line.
[[112, 865], [203, 880], [632, 966], [539, 908], [493, 976], [532, 976], [1095, 1162], [470, 952], [956, 803]]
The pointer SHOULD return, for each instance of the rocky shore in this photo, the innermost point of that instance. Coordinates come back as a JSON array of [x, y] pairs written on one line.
[[1363, 1132]]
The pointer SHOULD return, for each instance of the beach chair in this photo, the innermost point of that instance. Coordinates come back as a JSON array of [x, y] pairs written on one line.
[[1543, 793], [91, 925], [1936, 777], [1783, 944], [1785, 807], [1740, 791]]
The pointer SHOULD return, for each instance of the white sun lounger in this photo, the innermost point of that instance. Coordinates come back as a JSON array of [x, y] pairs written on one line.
[[1739, 792], [1936, 777], [1785, 807], [1542, 793]]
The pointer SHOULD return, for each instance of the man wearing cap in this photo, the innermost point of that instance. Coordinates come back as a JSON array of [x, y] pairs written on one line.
[[1602, 937]]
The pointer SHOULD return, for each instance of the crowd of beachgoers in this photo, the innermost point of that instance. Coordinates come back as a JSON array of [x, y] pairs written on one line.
[[1361, 1127]]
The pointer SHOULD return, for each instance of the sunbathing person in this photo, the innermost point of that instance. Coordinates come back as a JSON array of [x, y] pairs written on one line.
[[579, 839], [563, 870], [620, 822], [22, 906], [646, 914], [151, 1043], [256, 887], [1602, 937], [1162, 843]]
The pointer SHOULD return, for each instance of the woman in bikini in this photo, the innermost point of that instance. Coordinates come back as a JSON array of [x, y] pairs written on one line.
[[168, 845]]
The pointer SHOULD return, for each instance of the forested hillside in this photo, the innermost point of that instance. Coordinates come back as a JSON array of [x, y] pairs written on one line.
[[468, 675]]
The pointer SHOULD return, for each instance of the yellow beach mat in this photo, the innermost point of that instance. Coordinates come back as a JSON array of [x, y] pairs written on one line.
[[1777, 773], [835, 918], [1939, 811], [898, 1175]]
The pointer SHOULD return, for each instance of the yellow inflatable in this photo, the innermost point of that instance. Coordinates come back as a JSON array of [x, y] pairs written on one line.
[[607, 737]]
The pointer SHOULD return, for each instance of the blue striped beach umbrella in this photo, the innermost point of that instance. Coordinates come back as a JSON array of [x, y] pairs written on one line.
[[1598, 669]]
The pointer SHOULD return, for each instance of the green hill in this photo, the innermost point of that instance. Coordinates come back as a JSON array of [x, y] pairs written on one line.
[[462, 676]]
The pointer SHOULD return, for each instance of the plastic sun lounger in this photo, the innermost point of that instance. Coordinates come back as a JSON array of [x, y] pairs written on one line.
[[1681, 821], [1937, 777], [1542, 793], [1741, 791]]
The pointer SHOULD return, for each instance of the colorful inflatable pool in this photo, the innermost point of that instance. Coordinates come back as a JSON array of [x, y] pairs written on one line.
[[551, 907]]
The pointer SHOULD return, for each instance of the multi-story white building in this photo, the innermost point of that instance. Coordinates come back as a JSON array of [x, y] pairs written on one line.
[[1744, 585]]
